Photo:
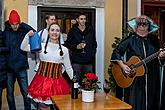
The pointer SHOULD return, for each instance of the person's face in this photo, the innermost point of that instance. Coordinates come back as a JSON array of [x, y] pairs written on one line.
[[81, 20], [54, 32], [50, 20], [15, 26], [142, 29]]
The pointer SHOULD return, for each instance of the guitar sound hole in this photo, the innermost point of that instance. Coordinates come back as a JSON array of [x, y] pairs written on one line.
[[132, 74]]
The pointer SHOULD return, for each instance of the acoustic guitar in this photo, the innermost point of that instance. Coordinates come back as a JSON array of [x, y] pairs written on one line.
[[136, 65]]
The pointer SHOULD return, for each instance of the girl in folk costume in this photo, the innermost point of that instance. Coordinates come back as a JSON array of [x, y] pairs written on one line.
[[48, 80]]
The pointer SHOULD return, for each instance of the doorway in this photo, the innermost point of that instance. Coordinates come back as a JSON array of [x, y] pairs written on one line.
[[64, 16]]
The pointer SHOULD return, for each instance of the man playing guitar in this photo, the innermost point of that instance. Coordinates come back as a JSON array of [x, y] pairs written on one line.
[[142, 53]]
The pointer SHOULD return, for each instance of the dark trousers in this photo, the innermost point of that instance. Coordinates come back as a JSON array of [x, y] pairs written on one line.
[[1, 97], [81, 69], [2, 86], [22, 80]]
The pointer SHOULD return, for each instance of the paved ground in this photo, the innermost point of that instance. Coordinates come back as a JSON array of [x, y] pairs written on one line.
[[19, 104]]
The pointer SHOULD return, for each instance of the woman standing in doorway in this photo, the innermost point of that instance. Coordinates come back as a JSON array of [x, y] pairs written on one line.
[[48, 80]]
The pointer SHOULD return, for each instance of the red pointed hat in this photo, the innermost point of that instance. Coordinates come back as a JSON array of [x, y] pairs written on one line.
[[14, 17]]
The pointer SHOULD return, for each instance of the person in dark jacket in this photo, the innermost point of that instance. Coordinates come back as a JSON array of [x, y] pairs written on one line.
[[17, 60], [82, 43], [3, 67], [144, 92]]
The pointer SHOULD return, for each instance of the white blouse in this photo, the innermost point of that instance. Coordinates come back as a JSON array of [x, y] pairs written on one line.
[[52, 55]]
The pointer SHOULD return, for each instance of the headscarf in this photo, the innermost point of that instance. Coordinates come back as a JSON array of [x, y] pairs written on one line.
[[142, 19]]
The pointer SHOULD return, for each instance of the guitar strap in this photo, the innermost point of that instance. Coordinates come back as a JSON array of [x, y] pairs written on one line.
[[145, 55], [144, 49]]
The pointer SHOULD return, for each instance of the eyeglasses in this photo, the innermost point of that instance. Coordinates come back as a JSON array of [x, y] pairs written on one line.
[[142, 24], [82, 18]]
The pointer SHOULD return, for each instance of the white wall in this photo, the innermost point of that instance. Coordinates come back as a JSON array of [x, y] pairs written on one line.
[[138, 7], [32, 16], [32, 21], [100, 34]]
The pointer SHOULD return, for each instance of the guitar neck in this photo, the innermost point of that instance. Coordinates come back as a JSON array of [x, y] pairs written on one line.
[[147, 59], [151, 57]]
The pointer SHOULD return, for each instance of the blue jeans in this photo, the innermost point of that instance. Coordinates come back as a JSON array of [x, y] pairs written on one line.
[[22, 80]]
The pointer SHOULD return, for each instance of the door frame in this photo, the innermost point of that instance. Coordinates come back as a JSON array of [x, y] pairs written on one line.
[[72, 12]]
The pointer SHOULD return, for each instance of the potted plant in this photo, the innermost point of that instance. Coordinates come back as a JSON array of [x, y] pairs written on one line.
[[111, 81], [89, 85]]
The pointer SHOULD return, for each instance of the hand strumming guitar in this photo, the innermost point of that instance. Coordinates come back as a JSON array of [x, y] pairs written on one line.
[[124, 67]]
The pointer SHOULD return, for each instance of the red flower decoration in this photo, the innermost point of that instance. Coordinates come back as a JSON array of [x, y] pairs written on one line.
[[87, 84], [90, 82]]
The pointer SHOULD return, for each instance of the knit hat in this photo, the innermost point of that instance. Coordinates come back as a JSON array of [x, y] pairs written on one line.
[[14, 17]]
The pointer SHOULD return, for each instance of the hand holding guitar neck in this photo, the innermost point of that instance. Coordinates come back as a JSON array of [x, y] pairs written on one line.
[[162, 54]]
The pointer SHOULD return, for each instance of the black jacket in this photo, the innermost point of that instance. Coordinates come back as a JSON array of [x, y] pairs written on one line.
[[75, 36], [16, 59], [3, 66]]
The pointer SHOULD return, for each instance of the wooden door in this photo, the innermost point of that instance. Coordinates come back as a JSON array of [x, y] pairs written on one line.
[[162, 26], [153, 13], [155, 10]]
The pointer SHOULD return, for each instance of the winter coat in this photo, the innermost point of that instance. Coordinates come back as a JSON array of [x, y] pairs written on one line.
[[3, 65], [16, 59]]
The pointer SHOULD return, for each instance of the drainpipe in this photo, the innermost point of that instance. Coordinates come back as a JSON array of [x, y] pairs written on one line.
[[124, 15]]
